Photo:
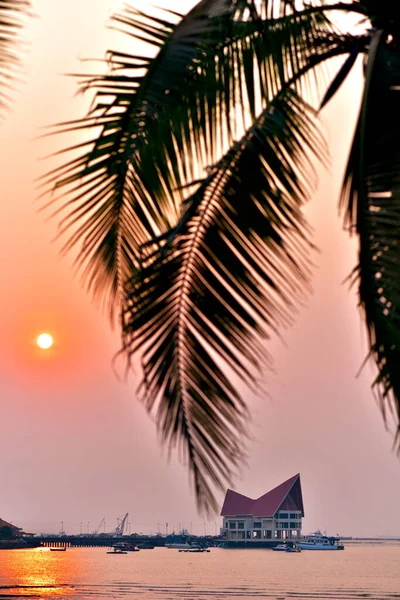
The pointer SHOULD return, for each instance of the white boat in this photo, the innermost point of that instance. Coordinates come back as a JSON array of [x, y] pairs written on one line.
[[318, 541], [280, 548], [286, 548]]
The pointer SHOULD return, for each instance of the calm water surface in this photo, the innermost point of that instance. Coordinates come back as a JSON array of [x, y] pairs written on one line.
[[371, 572]]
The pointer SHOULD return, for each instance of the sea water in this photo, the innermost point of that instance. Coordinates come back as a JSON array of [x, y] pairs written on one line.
[[361, 571]]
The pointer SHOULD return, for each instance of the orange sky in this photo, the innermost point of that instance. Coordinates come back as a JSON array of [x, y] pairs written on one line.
[[69, 424]]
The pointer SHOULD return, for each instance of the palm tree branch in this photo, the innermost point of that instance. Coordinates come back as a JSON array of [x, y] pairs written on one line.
[[371, 201], [187, 308], [161, 127], [12, 16], [128, 123]]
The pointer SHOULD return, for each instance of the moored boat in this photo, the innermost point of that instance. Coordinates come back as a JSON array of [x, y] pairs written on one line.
[[286, 548], [178, 545], [117, 551], [280, 548], [126, 546], [318, 541], [293, 548], [195, 549]]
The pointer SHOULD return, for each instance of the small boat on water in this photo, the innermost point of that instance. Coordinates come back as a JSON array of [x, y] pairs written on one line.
[[126, 546], [293, 548], [318, 541], [195, 550], [117, 551], [286, 548], [61, 549], [280, 548], [179, 545]]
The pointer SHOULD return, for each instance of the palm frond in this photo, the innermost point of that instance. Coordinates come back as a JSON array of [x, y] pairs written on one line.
[[371, 200], [12, 13], [210, 277], [164, 119], [342, 74], [230, 273], [112, 184]]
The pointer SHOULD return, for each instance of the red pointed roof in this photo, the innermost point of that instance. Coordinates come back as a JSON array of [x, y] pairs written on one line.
[[286, 496]]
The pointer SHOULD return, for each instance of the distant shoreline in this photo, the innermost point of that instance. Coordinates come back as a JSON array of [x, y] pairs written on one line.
[[19, 544]]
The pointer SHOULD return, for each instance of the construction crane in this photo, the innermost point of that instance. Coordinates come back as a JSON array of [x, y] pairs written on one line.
[[97, 531], [119, 530]]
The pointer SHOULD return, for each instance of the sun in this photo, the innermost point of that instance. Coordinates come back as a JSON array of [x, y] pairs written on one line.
[[44, 341]]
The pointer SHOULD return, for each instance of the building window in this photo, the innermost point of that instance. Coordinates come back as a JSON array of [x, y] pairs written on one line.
[[232, 525], [293, 525], [285, 525], [283, 516], [257, 524], [241, 525], [269, 534], [293, 516]]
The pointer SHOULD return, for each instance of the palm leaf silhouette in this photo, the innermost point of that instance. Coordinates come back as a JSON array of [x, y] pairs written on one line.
[[12, 14], [224, 281], [371, 198], [187, 206]]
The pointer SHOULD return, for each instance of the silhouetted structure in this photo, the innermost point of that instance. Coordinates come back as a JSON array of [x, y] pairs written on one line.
[[16, 531]]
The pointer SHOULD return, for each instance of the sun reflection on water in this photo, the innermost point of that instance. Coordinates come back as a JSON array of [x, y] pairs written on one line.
[[37, 572]]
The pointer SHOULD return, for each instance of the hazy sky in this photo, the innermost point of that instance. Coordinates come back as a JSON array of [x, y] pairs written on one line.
[[75, 445]]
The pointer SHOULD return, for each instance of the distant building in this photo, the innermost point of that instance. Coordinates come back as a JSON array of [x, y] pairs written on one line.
[[15, 530], [276, 515]]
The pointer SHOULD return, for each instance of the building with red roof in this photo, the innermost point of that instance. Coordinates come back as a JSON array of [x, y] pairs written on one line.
[[275, 515]]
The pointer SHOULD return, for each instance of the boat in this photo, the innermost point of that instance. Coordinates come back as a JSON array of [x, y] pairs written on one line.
[[281, 548], [145, 546], [179, 545], [126, 546], [293, 548], [195, 549], [61, 549], [318, 541], [286, 548], [117, 551]]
